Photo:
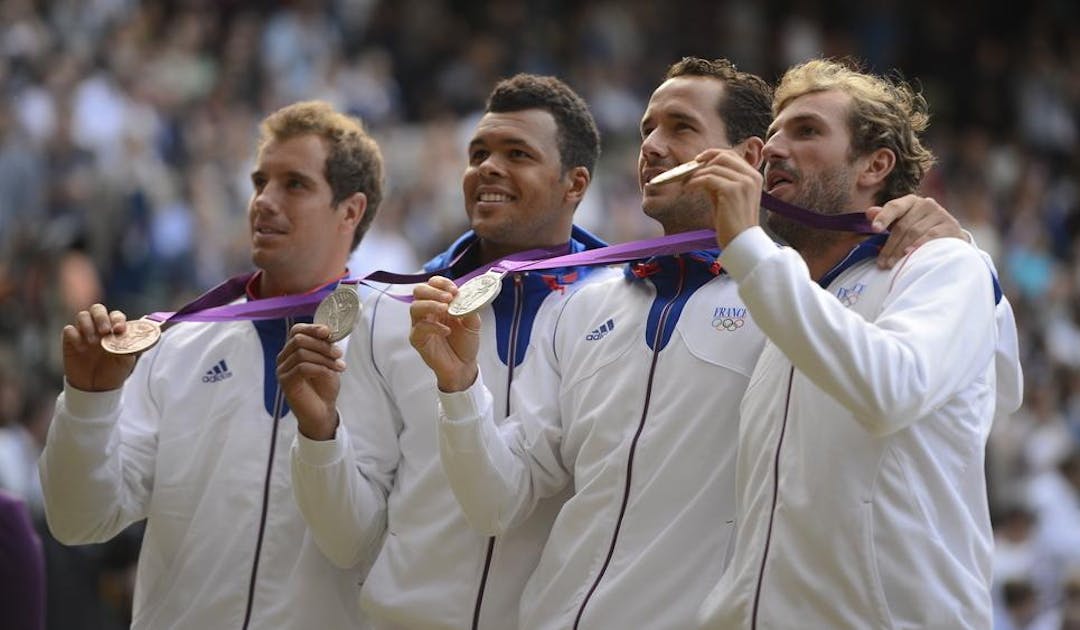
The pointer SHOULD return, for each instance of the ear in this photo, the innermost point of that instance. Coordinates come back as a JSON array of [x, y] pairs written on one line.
[[877, 166], [355, 206], [752, 150], [579, 179]]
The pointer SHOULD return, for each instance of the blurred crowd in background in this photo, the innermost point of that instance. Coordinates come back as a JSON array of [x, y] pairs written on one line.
[[127, 132]]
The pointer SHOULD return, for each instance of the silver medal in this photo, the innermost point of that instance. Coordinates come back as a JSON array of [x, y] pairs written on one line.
[[338, 312], [476, 293]]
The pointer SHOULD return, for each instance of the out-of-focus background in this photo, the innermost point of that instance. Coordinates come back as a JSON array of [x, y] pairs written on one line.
[[127, 131]]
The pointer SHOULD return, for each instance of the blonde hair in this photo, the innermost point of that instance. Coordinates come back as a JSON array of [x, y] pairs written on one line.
[[353, 160], [886, 112]]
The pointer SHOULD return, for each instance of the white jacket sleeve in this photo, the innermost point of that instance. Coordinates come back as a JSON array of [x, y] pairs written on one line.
[[499, 473], [97, 468], [935, 334], [1010, 375], [341, 485]]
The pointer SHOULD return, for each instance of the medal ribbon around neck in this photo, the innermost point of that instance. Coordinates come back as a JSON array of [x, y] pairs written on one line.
[[215, 305]]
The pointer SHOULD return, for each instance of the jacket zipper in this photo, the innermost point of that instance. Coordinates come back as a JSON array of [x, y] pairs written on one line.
[[776, 496], [511, 355], [662, 324], [279, 401]]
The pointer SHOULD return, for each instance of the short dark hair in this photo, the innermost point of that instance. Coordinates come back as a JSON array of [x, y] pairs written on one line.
[[745, 108], [578, 140], [353, 160]]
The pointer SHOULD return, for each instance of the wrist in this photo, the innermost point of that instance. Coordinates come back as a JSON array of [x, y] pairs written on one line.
[[319, 430], [459, 381]]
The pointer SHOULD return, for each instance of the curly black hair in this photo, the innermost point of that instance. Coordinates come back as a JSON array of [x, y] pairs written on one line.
[[578, 139]]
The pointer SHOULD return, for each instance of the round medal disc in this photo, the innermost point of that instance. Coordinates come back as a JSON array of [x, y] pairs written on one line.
[[338, 312], [476, 294], [140, 335], [672, 174]]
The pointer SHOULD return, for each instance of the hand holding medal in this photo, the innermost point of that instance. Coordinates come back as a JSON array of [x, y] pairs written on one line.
[[139, 335], [476, 293]]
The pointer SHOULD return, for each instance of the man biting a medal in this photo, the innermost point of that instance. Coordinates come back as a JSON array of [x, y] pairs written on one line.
[[193, 435]]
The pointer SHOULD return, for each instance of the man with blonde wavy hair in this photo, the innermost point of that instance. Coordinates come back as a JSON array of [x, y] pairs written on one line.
[[861, 499]]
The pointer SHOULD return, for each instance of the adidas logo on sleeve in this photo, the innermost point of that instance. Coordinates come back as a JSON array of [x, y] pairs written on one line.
[[218, 373], [601, 331]]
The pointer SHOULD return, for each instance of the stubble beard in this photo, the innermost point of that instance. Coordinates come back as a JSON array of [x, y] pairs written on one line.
[[827, 194], [690, 210]]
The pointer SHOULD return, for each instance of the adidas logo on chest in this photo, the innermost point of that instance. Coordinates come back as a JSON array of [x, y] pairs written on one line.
[[601, 331], [218, 373]]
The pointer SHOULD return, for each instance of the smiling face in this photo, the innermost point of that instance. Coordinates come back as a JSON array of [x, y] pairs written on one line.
[[516, 195], [299, 237], [681, 121]]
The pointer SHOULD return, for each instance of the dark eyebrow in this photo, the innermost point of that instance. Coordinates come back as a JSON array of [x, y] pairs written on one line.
[[513, 142], [684, 117], [306, 179], [676, 116]]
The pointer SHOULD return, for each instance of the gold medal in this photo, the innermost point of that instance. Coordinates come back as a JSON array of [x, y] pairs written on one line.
[[678, 172]]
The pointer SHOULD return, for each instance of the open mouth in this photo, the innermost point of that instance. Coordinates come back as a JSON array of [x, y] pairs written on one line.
[[775, 179]]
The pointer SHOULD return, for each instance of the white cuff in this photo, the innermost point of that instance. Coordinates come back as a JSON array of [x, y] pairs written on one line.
[[745, 251], [83, 405], [322, 452]]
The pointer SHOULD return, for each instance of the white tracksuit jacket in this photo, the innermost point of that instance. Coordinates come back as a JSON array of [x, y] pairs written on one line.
[[434, 571], [861, 489], [634, 404], [191, 444]]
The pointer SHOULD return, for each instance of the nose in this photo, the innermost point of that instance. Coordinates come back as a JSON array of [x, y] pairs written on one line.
[[263, 200], [491, 167], [774, 149], [653, 148]]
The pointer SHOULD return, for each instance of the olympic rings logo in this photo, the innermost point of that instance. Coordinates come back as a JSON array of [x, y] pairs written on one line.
[[729, 324]]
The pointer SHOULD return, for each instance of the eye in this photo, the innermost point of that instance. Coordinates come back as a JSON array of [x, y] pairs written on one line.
[[478, 156], [684, 127], [294, 184], [645, 131], [518, 154], [259, 182], [806, 131]]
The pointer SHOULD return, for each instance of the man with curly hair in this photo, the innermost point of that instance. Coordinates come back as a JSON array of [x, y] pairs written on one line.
[[860, 483]]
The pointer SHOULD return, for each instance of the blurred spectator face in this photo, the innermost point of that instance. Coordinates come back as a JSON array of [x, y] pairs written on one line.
[[296, 230], [515, 190], [1071, 605], [681, 121], [1021, 603]]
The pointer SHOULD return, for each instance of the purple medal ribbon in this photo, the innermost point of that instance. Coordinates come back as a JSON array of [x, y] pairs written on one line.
[[679, 243], [214, 305], [623, 252], [850, 222]]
